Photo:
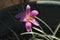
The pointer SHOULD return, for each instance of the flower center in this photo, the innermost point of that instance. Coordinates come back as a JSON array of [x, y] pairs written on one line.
[[29, 18]]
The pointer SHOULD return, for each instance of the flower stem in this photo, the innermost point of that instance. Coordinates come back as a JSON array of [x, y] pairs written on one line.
[[32, 34]]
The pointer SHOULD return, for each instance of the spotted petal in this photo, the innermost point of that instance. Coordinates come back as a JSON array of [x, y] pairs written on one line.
[[28, 26], [35, 22]]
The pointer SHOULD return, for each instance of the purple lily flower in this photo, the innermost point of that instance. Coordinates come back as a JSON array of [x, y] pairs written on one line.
[[28, 17]]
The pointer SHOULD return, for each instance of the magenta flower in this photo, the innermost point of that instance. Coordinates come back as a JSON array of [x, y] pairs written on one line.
[[28, 17]]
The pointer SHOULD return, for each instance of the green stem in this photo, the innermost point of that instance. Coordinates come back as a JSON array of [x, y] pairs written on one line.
[[44, 23], [33, 34]]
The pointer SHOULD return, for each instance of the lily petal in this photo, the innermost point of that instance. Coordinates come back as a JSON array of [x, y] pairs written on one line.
[[28, 26], [35, 22], [19, 15], [34, 13], [28, 8], [23, 19]]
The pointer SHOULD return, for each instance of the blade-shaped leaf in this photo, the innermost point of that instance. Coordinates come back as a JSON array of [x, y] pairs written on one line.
[[39, 30]]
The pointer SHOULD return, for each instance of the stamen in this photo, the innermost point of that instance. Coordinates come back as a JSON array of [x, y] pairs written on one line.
[[29, 18]]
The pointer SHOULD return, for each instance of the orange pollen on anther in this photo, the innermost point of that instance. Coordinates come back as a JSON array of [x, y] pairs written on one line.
[[29, 18]]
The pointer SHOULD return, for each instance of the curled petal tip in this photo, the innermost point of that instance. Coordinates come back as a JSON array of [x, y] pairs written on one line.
[[28, 7], [34, 13]]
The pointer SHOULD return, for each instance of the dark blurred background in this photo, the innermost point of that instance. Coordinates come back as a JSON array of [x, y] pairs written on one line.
[[48, 12]]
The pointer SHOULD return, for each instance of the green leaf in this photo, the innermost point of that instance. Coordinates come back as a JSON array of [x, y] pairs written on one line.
[[35, 39], [39, 30], [44, 24], [41, 35], [35, 34], [56, 29]]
